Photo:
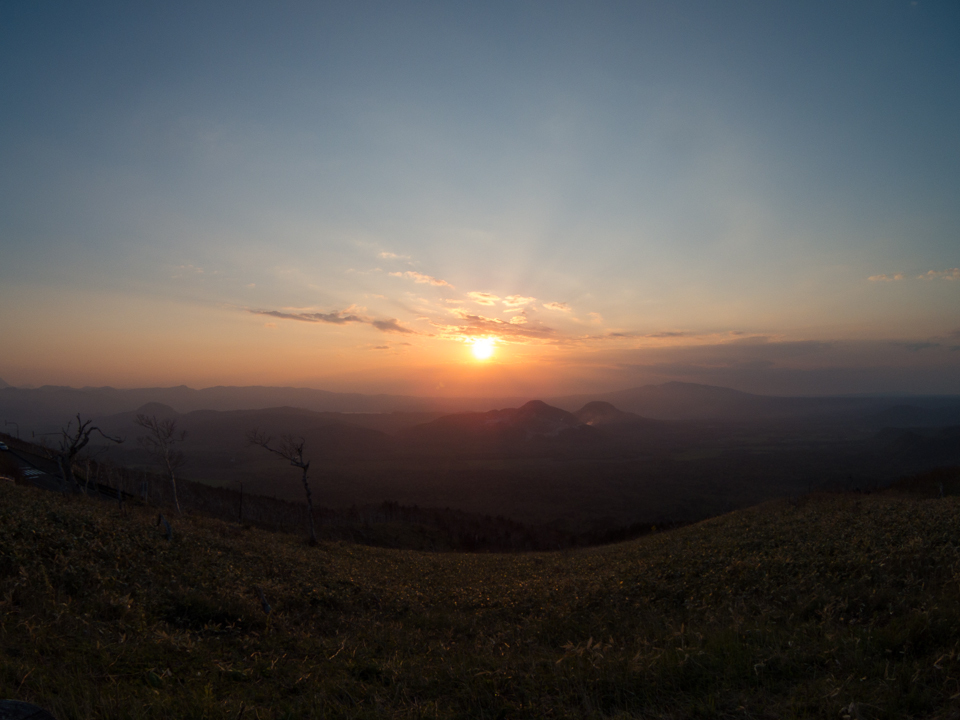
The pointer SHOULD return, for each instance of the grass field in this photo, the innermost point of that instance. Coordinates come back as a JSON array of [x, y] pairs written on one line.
[[832, 607]]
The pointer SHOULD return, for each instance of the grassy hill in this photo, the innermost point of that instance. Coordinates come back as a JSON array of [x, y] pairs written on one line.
[[834, 606]]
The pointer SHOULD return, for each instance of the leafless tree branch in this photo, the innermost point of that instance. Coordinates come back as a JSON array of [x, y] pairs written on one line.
[[160, 441], [291, 450], [72, 442]]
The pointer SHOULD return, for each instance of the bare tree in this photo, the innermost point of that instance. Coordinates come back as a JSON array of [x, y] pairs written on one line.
[[291, 450], [72, 442], [160, 441]]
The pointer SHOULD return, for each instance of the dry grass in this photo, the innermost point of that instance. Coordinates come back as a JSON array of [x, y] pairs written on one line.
[[830, 607]]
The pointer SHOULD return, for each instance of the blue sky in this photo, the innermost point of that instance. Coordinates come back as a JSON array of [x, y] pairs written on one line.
[[345, 195]]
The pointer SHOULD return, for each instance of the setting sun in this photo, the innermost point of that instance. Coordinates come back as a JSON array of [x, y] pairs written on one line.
[[482, 348]]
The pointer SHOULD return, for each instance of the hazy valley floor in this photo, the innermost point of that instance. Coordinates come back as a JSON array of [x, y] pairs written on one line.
[[832, 606]]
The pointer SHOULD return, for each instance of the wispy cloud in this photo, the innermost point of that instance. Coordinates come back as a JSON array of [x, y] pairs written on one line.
[[182, 271], [948, 274], [885, 278], [951, 274], [562, 307], [421, 278], [392, 325], [653, 336], [518, 300], [483, 298], [506, 331], [342, 317], [681, 338], [916, 346], [668, 334]]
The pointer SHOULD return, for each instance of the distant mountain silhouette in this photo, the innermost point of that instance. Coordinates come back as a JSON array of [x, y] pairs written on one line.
[[940, 445], [599, 412], [679, 401], [538, 418], [534, 418], [160, 410], [690, 401], [50, 407], [904, 416], [4, 384]]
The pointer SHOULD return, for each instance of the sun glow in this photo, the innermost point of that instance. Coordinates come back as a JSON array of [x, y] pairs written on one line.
[[483, 348]]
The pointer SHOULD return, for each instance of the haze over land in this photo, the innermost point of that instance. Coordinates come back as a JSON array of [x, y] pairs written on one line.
[[674, 452], [356, 196]]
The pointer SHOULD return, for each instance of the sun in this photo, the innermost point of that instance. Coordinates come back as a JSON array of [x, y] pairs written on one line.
[[483, 348]]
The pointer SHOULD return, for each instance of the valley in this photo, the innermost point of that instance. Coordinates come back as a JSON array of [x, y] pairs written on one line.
[[698, 452]]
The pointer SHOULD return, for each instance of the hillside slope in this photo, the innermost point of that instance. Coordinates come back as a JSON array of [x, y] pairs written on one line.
[[828, 607]]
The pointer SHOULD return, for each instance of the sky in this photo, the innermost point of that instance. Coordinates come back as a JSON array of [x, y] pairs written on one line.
[[365, 196]]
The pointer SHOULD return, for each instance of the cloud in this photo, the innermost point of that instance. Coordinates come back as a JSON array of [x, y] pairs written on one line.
[[388, 255], [948, 274], [951, 274], [336, 318], [342, 317], [784, 367], [655, 336], [682, 338], [885, 278], [518, 300], [482, 298], [562, 307], [668, 334], [391, 326], [185, 270], [381, 347], [512, 331], [421, 278], [916, 346]]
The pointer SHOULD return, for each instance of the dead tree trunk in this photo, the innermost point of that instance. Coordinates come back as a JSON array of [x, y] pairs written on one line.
[[72, 442], [160, 441], [292, 451], [306, 490]]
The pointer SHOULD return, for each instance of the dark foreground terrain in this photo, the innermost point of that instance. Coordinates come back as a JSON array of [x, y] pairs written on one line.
[[831, 606]]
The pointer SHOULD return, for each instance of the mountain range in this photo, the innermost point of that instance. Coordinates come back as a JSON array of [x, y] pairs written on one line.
[[584, 467], [49, 407]]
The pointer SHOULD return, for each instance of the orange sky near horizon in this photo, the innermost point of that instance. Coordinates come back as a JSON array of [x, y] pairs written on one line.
[[332, 196], [146, 342]]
